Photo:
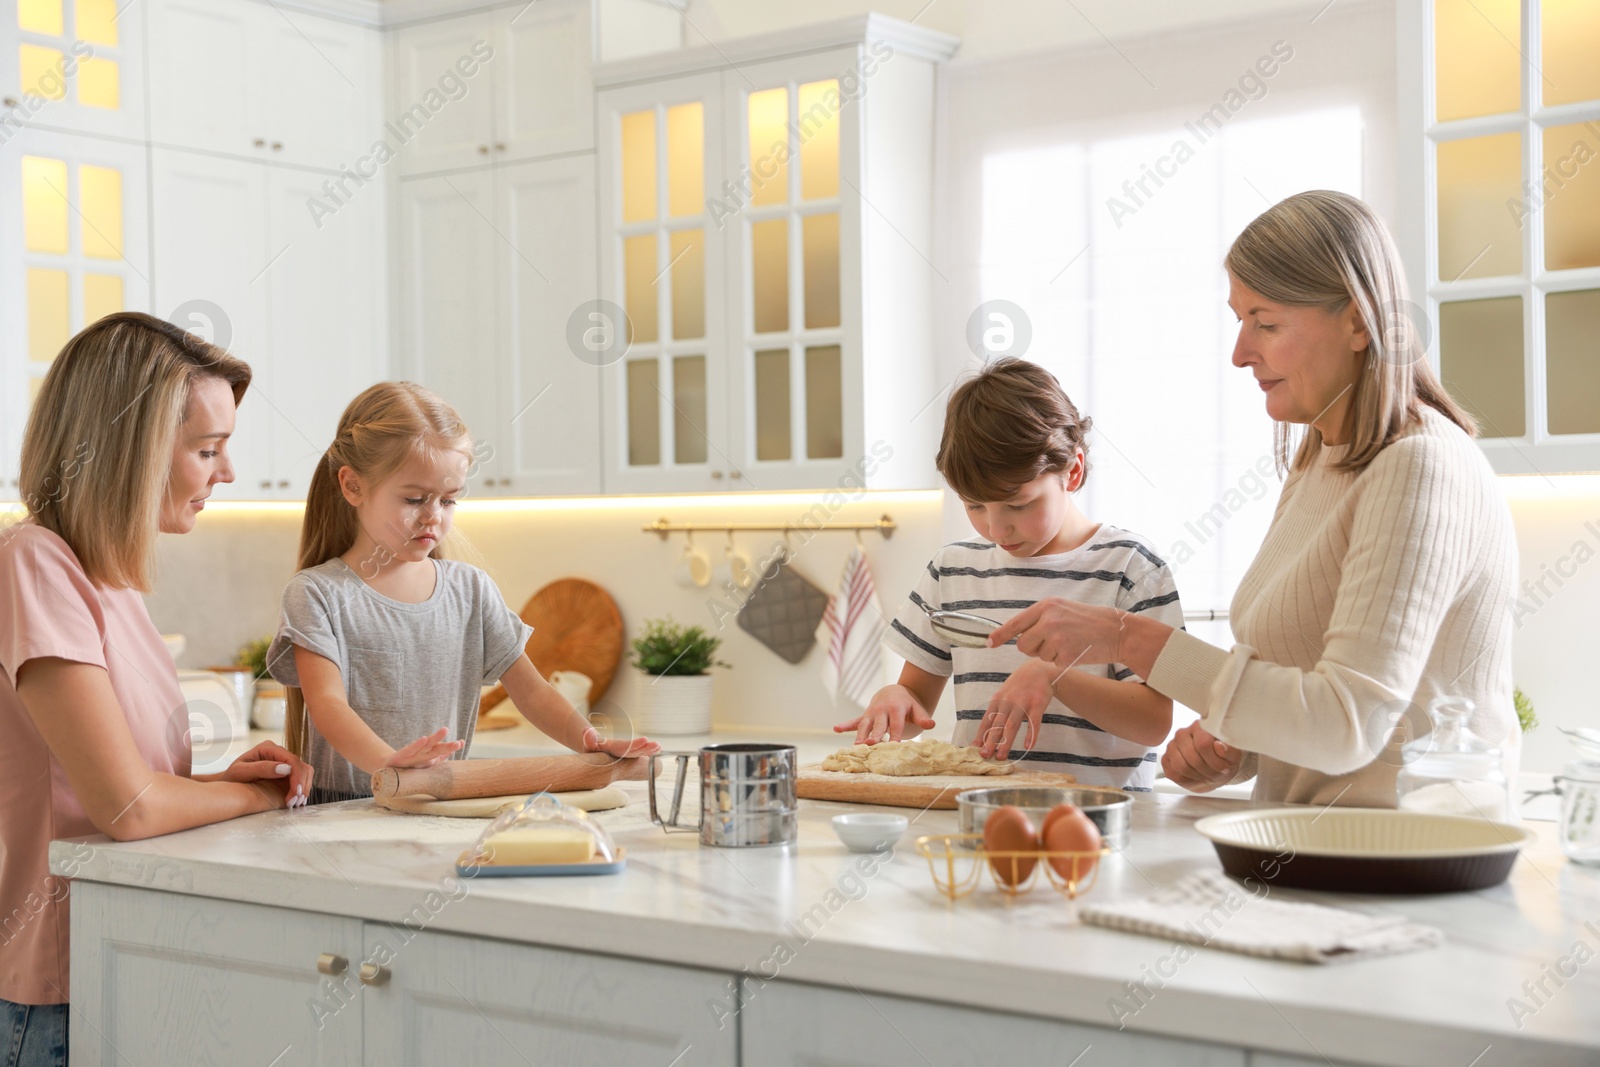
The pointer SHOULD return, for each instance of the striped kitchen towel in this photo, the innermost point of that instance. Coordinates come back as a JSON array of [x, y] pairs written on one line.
[[852, 632]]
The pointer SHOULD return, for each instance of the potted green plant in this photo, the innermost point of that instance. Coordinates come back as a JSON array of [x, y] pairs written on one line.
[[675, 681], [268, 696]]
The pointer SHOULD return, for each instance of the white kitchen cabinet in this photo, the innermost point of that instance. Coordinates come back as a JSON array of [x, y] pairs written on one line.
[[1502, 253], [75, 66], [326, 317], [499, 86], [785, 1024], [239, 252], [810, 208], [448, 300], [74, 246], [493, 265], [662, 262], [263, 81], [441, 93], [450, 999], [547, 437], [544, 95], [210, 249], [227, 982]]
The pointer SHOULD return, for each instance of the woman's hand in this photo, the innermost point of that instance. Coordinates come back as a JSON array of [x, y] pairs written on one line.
[[618, 747], [885, 718], [425, 751], [272, 764], [1064, 632], [1021, 699], [1198, 761]]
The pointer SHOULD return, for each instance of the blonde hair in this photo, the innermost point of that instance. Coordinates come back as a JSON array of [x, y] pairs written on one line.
[[97, 450], [1325, 249], [379, 431]]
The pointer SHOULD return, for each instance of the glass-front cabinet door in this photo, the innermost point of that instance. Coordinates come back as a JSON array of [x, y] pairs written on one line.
[[1507, 95], [74, 223], [72, 65], [794, 316], [660, 330]]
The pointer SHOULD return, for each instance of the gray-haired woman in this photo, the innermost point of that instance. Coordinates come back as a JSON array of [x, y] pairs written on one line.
[[1386, 576]]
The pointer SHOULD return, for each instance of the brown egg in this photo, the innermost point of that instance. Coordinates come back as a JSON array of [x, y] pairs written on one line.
[[1009, 829], [1066, 829]]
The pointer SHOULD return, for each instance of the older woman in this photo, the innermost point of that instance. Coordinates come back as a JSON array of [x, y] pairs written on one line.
[[127, 438], [1386, 576]]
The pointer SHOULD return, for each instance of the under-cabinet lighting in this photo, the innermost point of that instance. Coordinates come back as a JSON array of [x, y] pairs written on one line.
[[673, 502]]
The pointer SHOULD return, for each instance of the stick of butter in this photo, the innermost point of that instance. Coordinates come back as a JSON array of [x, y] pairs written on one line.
[[532, 845]]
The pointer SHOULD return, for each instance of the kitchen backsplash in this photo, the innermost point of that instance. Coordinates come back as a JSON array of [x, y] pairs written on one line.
[[220, 586]]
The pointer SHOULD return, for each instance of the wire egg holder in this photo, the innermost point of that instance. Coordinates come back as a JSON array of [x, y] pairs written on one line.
[[944, 849]]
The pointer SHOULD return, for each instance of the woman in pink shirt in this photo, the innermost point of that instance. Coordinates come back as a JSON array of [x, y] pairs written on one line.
[[126, 440]]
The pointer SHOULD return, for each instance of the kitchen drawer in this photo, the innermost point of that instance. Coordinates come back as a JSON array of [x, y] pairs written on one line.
[[789, 1024]]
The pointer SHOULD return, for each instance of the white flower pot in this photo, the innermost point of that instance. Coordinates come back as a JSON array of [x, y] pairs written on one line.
[[672, 704]]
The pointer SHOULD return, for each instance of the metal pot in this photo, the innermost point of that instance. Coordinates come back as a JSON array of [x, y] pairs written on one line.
[[1111, 810], [747, 795]]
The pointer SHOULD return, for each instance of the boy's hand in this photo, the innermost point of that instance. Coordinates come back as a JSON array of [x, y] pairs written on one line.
[[618, 747], [425, 751], [1199, 762], [892, 707], [1021, 699]]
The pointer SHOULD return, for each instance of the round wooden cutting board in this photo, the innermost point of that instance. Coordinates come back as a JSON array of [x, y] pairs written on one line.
[[576, 627]]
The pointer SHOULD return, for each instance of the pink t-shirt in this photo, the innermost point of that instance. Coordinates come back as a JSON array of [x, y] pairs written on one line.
[[49, 607]]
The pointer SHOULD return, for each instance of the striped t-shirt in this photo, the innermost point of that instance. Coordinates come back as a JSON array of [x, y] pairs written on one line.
[[1114, 568]]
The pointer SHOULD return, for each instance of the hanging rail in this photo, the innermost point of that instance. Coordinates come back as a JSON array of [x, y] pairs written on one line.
[[883, 524]]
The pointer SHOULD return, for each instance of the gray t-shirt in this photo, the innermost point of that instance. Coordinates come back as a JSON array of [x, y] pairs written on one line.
[[408, 669]]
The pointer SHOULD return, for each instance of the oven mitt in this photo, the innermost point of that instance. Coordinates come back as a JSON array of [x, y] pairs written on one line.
[[783, 611]]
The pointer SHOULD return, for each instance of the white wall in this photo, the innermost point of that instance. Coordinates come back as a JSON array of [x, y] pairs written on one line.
[[220, 584]]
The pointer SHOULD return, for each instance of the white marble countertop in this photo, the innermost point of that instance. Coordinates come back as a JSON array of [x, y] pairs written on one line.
[[889, 931]]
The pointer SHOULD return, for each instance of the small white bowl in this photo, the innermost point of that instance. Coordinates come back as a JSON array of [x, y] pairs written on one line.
[[869, 831]]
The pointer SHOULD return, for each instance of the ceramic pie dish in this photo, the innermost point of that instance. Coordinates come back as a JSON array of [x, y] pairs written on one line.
[[1364, 850]]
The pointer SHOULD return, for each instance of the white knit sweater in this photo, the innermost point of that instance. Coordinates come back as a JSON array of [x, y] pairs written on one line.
[[1371, 590]]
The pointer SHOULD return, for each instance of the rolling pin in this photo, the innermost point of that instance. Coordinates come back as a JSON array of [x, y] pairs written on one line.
[[466, 779]]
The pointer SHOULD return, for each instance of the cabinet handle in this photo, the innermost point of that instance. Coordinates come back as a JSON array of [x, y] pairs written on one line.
[[735, 474], [277, 146], [716, 476], [266, 483], [260, 142], [483, 150], [372, 974], [283, 484], [499, 147], [9, 101], [328, 963]]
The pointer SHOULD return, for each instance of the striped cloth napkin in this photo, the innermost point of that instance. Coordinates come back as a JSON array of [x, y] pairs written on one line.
[[852, 632]]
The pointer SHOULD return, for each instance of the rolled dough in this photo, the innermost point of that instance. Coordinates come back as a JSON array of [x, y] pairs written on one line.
[[905, 758], [605, 799]]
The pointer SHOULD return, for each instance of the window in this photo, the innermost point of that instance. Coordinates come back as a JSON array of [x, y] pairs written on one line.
[[1113, 249]]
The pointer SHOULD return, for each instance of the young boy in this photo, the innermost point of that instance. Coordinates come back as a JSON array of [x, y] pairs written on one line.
[[1014, 451]]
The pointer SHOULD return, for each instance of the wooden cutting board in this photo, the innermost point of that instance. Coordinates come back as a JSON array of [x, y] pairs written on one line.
[[576, 627], [937, 791]]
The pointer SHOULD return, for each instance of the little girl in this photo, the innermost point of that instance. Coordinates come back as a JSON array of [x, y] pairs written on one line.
[[384, 643]]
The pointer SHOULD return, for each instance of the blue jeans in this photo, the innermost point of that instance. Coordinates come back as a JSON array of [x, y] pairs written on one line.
[[35, 1036]]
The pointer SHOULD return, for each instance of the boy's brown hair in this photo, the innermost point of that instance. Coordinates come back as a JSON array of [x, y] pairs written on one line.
[[1006, 426]]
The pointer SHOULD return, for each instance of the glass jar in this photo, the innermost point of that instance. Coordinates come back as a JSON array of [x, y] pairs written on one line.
[[1453, 771], [1579, 786]]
